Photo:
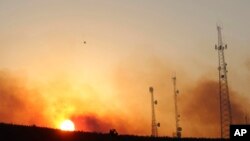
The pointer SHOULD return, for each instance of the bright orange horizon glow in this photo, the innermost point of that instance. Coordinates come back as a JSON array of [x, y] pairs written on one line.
[[67, 125]]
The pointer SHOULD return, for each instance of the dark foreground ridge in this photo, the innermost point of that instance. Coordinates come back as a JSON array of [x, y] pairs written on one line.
[[10, 132]]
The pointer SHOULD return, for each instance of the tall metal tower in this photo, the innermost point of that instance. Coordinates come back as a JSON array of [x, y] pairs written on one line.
[[225, 107], [154, 124], [177, 115]]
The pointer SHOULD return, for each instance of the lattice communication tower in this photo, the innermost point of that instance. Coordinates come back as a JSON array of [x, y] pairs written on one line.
[[225, 106]]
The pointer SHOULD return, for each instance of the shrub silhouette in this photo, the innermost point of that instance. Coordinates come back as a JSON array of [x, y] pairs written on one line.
[[11, 132]]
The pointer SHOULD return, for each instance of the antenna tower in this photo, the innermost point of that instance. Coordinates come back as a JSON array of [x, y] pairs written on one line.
[[225, 108], [154, 124], [177, 115]]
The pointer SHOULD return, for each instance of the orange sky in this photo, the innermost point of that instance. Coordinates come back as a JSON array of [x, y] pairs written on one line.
[[47, 74]]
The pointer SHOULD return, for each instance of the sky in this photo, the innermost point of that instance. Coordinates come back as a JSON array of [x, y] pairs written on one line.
[[48, 74]]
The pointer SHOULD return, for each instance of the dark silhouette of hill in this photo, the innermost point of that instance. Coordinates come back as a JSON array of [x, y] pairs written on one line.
[[10, 132]]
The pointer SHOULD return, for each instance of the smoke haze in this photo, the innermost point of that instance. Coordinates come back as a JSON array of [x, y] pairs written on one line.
[[124, 105]]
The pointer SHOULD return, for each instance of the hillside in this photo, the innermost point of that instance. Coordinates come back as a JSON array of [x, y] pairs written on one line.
[[10, 132]]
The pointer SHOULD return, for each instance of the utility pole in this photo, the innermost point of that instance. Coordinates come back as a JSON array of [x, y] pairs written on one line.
[[177, 115], [154, 124], [225, 106]]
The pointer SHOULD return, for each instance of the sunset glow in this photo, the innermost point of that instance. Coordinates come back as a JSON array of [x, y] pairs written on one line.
[[67, 125], [86, 65]]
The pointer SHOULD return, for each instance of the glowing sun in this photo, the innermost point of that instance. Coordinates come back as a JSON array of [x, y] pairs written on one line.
[[67, 125]]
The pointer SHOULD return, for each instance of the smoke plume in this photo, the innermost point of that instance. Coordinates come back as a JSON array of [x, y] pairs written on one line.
[[200, 109], [95, 123], [18, 104], [126, 105]]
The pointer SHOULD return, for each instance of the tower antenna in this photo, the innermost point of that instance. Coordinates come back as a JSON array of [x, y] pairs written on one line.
[[177, 115], [154, 124], [225, 106]]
